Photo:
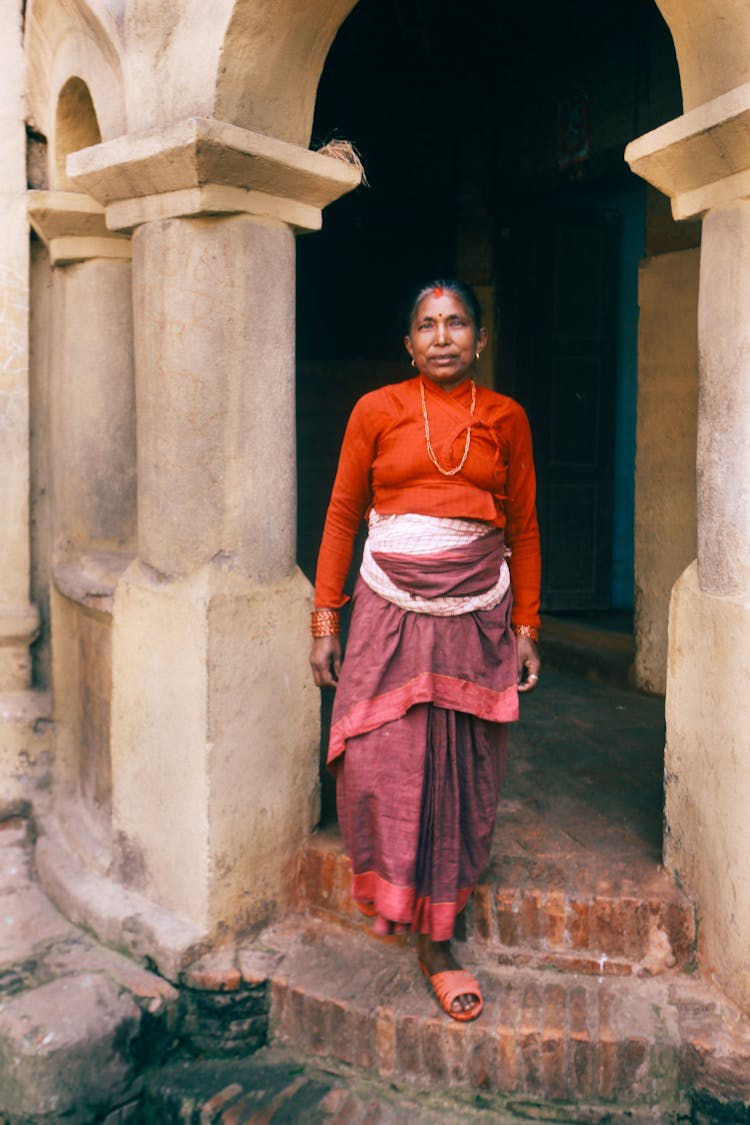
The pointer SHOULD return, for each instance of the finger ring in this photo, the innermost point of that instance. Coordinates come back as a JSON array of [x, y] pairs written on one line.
[[533, 676]]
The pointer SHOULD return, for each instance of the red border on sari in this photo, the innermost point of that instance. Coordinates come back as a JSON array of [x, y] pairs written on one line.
[[448, 692], [398, 904]]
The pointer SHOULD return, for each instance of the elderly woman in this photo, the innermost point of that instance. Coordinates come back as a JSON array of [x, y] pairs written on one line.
[[442, 635]]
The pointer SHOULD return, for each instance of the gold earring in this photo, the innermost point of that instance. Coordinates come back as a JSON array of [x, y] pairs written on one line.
[[477, 355], [413, 363]]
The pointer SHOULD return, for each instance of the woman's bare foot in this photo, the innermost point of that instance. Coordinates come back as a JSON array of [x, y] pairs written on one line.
[[384, 927], [436, 957]]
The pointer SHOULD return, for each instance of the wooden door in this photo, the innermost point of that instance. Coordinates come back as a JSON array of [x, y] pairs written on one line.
[[557, 298]]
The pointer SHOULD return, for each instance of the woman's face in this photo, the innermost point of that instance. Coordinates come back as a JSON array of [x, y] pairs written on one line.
[[443, 340]]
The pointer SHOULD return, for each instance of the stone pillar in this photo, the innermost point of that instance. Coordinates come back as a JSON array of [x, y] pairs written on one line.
[[215, 717], [92, 404], [19, 619], [724, 403], [702, 161], [93, 491]]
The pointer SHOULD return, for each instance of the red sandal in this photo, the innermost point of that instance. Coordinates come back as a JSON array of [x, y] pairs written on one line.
[[451, 984]]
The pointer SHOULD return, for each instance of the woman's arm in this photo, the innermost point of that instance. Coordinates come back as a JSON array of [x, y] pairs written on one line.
[[350, 500], [522, 535]]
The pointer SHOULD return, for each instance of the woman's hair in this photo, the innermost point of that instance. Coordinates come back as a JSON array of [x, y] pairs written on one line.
[[463, 292]]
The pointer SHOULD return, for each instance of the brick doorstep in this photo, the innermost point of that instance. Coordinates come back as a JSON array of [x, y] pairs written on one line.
[[532, 914], [640, 1042], [277, 1084]]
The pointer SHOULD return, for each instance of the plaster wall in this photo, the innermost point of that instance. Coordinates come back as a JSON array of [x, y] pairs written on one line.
[[84, 394], [24, 732], [712, 41], [92, 405], [707, 773], [702, 161], [214, 714], [148, 66], [215, 388], [159, 742], [76, 39], [82, 686], [665, 488], [210, 738], [16, 618], [40, 347], [214, 742]]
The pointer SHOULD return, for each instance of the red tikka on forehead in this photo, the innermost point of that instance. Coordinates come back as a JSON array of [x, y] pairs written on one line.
[[438, 291]]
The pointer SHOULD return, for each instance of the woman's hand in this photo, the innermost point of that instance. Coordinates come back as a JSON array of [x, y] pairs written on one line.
[[528, 663], [325, 660]]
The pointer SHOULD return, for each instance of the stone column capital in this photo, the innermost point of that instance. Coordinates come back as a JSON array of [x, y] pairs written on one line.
[[702, 159], [72, 227], [19, 624], [201, 166]]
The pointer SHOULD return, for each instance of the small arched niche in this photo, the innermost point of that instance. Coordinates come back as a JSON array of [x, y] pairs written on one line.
[[76, 126]]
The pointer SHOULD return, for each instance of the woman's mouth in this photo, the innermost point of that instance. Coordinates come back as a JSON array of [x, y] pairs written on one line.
[[443, 360]]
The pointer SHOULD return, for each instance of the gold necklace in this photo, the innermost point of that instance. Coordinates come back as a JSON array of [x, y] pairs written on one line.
[[430, 450]]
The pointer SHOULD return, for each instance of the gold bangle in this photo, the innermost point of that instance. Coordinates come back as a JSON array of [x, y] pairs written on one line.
[[529, 631], [325, 623]]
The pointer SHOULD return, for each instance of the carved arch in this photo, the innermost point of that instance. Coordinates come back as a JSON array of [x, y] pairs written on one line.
[[76, 126], [712, 43], [271, 61], [73, 64]]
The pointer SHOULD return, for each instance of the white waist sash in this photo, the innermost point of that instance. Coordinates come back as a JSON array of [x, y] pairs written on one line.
[[414, 534]]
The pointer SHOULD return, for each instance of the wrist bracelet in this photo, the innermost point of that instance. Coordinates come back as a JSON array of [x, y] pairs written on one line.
[[529, 631], [325, 623]]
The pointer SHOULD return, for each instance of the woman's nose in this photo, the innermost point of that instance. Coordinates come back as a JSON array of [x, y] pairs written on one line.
[[442, 332]]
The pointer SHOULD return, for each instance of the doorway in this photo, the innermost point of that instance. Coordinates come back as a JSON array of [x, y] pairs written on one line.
[[455, 119], [558, 303]]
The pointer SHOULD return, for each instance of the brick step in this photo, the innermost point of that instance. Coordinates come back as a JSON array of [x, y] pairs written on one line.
[[533, 913], [279, 1085], [276, 1084], [562, 1039]]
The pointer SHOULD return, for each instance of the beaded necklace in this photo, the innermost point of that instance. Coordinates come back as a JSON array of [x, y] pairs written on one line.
[[430, 450]]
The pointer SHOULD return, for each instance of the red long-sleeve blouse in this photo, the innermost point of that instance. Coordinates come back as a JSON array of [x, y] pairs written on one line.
[[384, 464]]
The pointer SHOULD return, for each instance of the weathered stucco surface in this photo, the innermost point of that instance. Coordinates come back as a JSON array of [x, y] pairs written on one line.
[[17, 617], [708, 774], [702, 161], [712, 41], [214, 741], [665, 505], [186, 723], [24, 738], [723, 437]]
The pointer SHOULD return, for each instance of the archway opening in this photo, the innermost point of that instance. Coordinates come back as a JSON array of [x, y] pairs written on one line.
[[76, 126], [495, 151]]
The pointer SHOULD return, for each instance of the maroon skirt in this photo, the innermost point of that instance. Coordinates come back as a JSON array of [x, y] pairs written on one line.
[[418, 739]]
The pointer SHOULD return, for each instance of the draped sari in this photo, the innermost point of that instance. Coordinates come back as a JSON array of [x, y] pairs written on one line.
[[419, 722]]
